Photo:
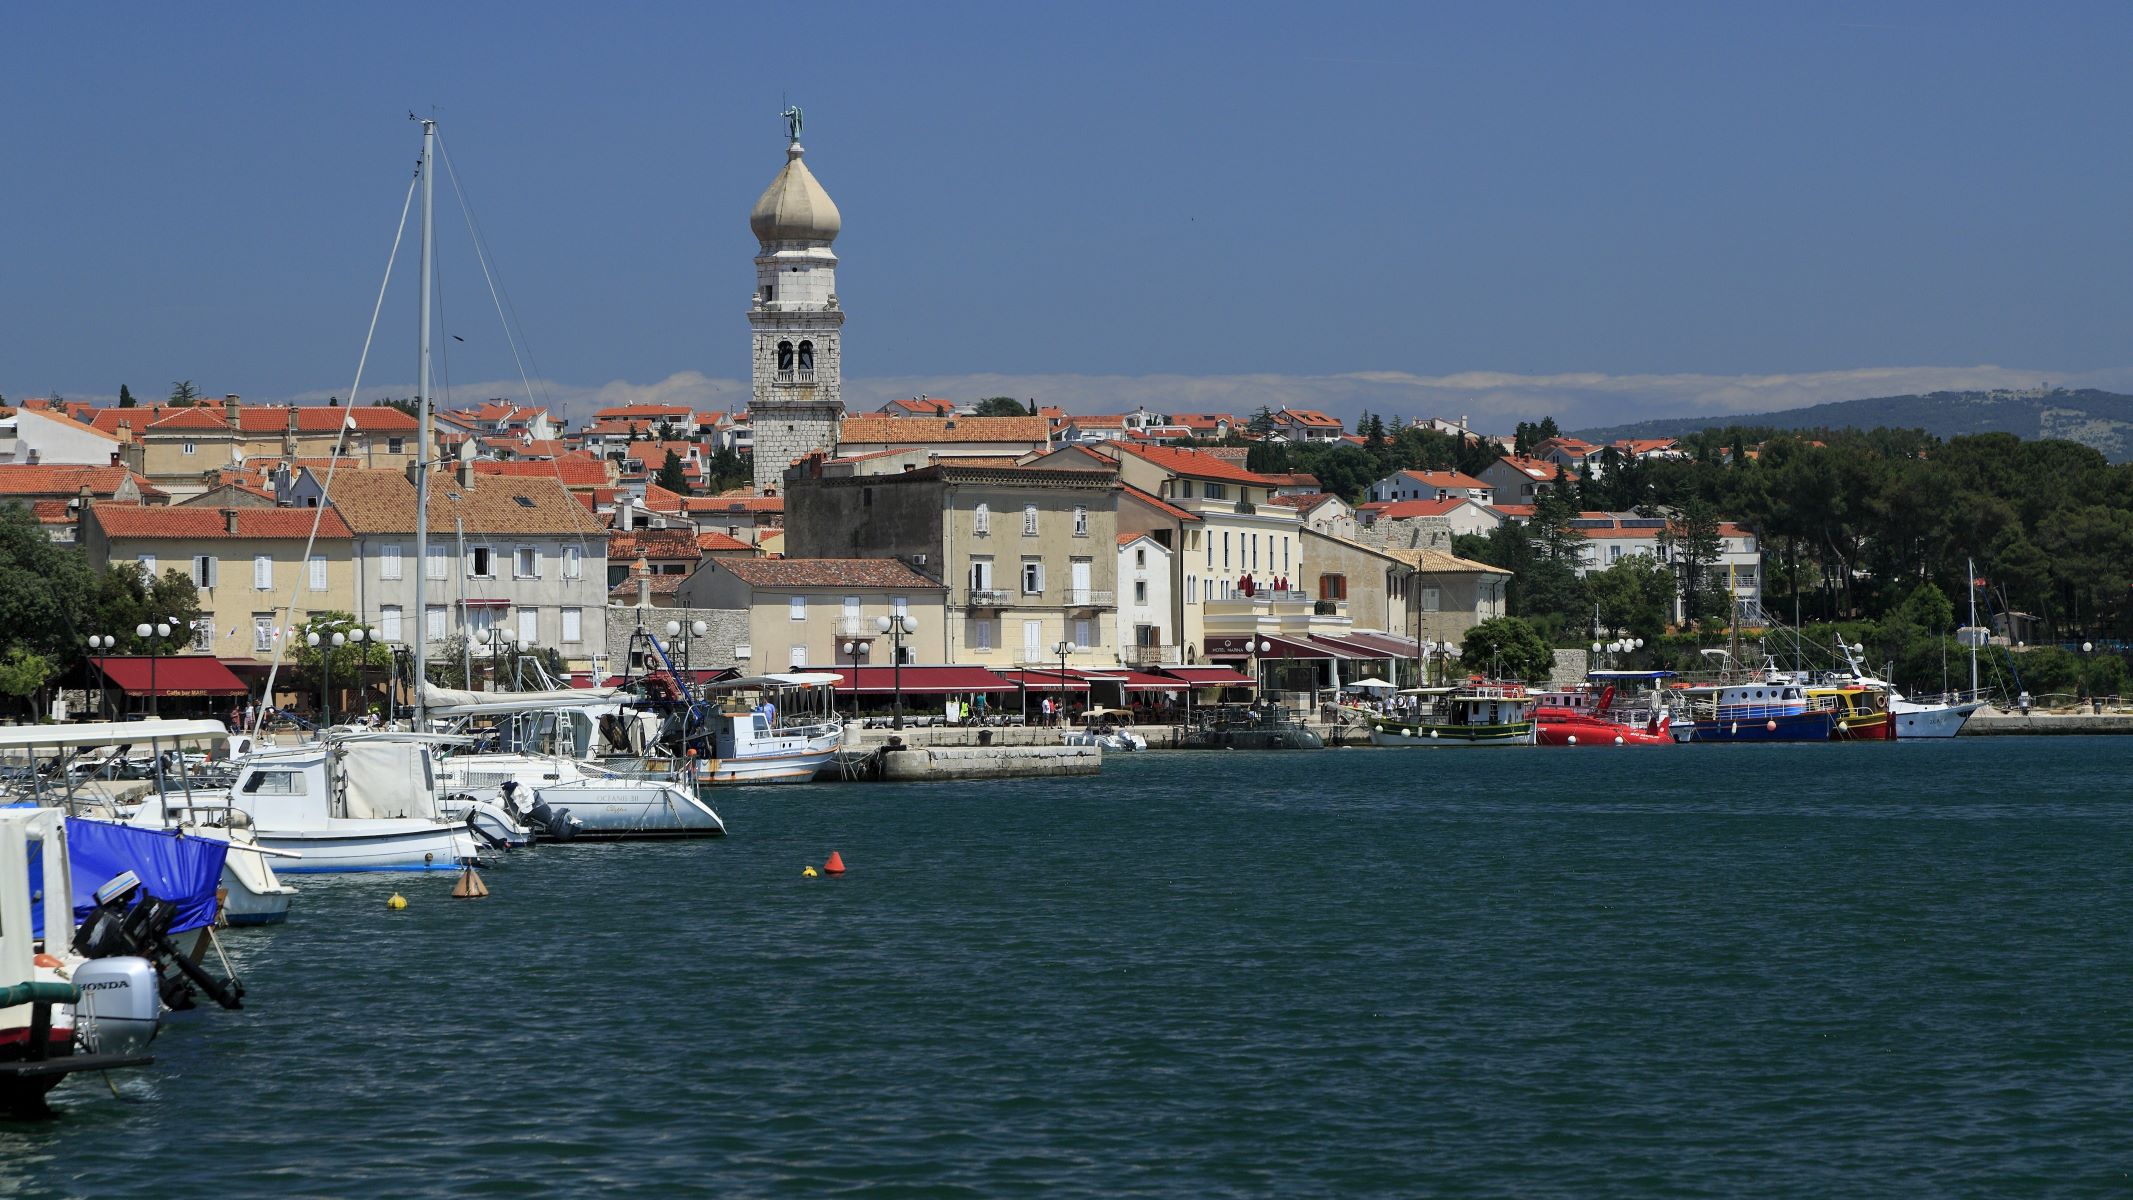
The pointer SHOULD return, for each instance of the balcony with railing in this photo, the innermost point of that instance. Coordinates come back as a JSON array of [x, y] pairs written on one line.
[[988, 598], [800, 376], [1088, 598], [1152, 655]]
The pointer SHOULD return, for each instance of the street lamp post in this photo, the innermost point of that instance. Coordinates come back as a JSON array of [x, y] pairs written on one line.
[[1063, 649], [1259, 648], [897, 627], [104, 642], [857, 648], [152, 634], [326, 645]]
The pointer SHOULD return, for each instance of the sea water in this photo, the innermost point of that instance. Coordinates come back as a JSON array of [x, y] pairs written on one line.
[[1678, 971]]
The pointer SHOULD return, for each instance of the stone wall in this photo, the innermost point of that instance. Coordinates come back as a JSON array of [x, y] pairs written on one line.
[[1570, 668], [714, 650], [1408, 533], [785, 431]]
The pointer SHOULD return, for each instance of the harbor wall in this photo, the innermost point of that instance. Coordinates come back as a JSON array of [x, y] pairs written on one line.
[[939, 763]]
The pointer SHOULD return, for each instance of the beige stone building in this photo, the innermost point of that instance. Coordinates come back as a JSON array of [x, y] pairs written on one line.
[[1449, 595], [255, 581], [1028, 554], [801, 613], [177, 447]]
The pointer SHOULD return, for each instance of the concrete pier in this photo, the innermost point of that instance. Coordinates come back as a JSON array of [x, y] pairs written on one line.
[[1988, 722], [912, 764]]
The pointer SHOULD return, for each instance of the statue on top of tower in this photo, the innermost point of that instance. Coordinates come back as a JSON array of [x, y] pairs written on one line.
[[792, 122]]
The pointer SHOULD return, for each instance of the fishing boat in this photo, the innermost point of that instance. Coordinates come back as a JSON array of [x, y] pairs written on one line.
[[1768, 707], [1862, 710], [60, 1012], [1597, 713], [343, 804], [1107, 728], [1469, 714], [788, 735]]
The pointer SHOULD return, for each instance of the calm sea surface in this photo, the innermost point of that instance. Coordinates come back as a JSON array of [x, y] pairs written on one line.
[[1686, 971]]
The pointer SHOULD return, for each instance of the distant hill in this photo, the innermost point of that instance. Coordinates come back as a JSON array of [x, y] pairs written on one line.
[[2103, 420]]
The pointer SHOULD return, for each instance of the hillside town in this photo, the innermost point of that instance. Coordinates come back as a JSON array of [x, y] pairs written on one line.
[[1125, 558]]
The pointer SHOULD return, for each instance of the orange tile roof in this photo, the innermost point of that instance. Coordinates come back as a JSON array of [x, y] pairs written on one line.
[[162, 521], [872, 429], [384, 502], [652, 543], [573, 471], [1157, 503], [1308, 416], [60, 479], [1197, 465], [1446, 479], [711, 541]]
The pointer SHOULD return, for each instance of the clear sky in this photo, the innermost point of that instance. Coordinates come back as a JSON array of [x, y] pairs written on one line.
[[1615, 210]]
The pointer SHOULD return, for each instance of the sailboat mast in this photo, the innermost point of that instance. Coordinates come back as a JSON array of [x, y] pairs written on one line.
[[422, 436], [1970, 580]]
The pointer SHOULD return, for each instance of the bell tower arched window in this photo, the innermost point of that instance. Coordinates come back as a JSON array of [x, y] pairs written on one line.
[[785, 359], [807, 356]]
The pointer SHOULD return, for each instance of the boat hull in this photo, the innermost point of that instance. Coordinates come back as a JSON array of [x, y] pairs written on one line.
[[635, 812], [1933, 720], [415, 846], [1786, 727], [1515, 733], [1587, 731], [796, 767]]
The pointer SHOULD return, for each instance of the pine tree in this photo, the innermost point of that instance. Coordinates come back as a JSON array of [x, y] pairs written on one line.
[[671, 476], [183, 394], [126, 399]]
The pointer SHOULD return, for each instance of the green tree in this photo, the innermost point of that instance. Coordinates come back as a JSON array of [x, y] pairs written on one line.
[[1692, 543], [1508, 648], [409, 405], [126, 399], [24, 672], [44, 589], [183, 394], [672, 476], [447, 666], [352, 664], [1636, 594], [1262, 422], [1000, 406]]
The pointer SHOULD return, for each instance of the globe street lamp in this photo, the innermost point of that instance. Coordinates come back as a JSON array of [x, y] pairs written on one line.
[[1062, 649], [358, 636], [103, 642], [857, 648], [1258, 648], [152, 634], [897, 627]]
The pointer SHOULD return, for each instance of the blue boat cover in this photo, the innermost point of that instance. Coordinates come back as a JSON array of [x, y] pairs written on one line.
[[184, 870]]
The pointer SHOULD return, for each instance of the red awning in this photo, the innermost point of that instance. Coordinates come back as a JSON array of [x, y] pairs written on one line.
[[1048, 681], [1211, 676], [1139, 681], [918, 681], [174, 675]]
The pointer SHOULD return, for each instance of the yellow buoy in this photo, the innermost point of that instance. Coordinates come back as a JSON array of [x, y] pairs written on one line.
[[808, 872], [397, 902]]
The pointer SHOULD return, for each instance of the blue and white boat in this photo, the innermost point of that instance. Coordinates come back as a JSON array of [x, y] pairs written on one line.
[[1770, 707]]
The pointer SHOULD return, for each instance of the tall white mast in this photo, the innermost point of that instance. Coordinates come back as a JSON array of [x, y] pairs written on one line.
[[1970, 582], [422, 437]]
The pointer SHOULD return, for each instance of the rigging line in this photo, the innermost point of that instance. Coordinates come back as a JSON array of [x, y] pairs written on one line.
[[288, 610], [513, 327]]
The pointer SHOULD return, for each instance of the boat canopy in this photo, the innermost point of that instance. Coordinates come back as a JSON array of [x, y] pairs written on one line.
[[108, 733], [1629, 676], [452, 702], [177, 867], [791, 679], [386, 778]]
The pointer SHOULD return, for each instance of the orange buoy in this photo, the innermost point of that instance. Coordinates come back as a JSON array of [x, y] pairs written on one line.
[[835, 865]]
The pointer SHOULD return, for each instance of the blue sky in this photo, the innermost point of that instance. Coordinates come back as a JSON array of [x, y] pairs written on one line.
[[1604, 210]]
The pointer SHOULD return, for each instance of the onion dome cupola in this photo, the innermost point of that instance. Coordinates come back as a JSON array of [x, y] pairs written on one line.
[[794, 208]]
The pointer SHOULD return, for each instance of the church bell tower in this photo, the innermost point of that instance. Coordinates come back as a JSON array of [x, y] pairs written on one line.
[[797, 405]]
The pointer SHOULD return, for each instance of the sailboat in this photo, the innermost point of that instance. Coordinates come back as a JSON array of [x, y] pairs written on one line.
[[1945, 718]]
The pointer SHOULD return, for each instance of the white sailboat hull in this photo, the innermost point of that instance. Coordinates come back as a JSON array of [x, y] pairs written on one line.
[[615, 812]]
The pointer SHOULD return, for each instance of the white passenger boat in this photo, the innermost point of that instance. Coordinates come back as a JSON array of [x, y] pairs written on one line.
[[789, 735]]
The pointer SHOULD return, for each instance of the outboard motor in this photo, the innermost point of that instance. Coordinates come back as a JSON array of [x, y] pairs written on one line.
[[555, 824], [121, 1007], [497, 826], [116, 931]]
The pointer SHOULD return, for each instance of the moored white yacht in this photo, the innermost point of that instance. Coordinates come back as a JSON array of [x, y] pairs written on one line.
[[353, 805]]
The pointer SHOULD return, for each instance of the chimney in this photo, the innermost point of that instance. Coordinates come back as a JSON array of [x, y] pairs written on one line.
[[293, 425], [81, 517], [229, 521], [229, 409], [466, 474], [626, 513]]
